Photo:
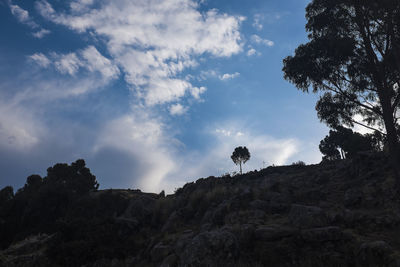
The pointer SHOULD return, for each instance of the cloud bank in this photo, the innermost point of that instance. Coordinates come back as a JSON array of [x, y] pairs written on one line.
[[153, 42]]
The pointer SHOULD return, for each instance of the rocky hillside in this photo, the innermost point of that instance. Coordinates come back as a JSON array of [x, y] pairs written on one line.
[[342, 213]]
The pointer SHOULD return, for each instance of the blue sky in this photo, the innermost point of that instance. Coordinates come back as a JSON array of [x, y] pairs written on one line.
[[152, 94]]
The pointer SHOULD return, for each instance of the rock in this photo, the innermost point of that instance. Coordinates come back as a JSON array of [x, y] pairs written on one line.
[[28, 252], [209, 249], [375, 253], [322, 234], [278, 208], [245, 217], [173, 221], [170, 261], [307, 216], [352, 198], [160, 252], [245, 234], [259, 205], [216, 216], [271, 233]]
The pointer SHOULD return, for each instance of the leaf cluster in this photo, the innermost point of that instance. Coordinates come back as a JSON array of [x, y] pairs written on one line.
[[240, 155]]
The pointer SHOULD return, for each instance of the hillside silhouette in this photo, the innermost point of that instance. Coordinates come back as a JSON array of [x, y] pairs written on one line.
[[336, 213]]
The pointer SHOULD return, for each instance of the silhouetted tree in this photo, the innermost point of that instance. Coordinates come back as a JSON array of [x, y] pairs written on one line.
[[343, 143], [6, 194], [240, 155], [76, 178], [353, 56]]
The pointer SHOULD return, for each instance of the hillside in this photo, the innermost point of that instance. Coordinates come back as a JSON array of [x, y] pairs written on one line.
[[341, 213]]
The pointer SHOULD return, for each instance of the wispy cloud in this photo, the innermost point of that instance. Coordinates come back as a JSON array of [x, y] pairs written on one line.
[[40, 59], [89, 58], [177, 109], [229, 76], [258, 40], [41, 33], [257, 21], [23, 17]]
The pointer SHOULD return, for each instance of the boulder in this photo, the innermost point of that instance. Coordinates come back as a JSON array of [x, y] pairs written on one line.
[[209, 249], [322, 234], [352, 198], [307, 216], [159, 252], [375, 253], [271, 233]]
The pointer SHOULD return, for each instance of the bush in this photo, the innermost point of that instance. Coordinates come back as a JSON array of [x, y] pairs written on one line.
[[299, 163]]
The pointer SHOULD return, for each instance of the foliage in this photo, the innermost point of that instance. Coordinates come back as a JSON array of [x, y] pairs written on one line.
[[6, 194], [352, 57], [299, 163], [42, 201], [240, 156], [344, 143]]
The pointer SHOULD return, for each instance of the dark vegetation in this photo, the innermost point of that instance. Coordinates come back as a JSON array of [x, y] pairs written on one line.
[[337, 213], [352, 59]]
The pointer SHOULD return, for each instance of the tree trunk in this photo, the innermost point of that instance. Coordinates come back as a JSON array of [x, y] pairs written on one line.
[[378, 74], [240, 164], [392, 140]]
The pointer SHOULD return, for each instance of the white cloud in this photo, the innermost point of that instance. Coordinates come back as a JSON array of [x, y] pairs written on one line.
[[40, 59], [88, 58], [68, 63], [18, 128], [97, 62], [41, 33], [228, 76], [257, 21], [251, 52], [144, 139], [154, 41], [177, 109], [205, 74], [258, 40], [80, 5], [197, 91], [23, 17]]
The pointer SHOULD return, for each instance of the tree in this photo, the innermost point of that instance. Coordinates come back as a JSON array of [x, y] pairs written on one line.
[[344, 143], [240, 155], [353, 58], [76, 178], [6, 194]]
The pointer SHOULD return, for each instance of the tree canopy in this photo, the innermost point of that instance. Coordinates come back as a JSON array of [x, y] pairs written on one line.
[[38, 205], [353, 59], [344, 143], [240, 156]]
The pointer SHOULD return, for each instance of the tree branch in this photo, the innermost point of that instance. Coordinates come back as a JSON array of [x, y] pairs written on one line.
[[366, 126], [351, 99]]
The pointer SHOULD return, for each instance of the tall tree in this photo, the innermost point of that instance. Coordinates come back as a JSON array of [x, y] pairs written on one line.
[[353, 58], [240, 155]]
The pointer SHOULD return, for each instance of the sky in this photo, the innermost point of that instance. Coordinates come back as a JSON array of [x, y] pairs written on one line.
[[151, 93]]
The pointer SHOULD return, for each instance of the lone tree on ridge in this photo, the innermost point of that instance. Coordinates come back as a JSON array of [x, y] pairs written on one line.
[[240, 155]]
